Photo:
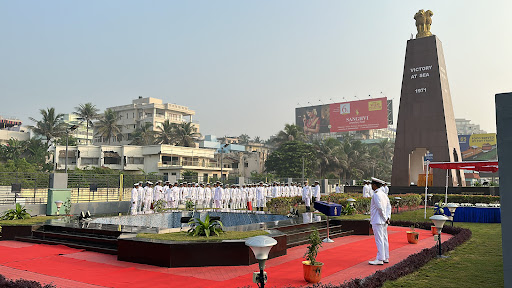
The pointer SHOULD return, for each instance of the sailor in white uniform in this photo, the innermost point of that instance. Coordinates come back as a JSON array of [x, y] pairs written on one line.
[[306, 196], [316, 191], [380, 216], [217, 196], [135, 199]]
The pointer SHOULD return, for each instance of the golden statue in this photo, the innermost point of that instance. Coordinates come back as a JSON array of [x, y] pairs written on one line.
[[423, 22]]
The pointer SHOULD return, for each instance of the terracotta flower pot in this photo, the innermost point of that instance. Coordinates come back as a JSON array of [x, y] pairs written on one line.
[[312, 273], [413, 237], [434, 230]]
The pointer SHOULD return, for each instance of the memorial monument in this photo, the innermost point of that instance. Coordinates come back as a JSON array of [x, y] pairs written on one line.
[[426, 123]]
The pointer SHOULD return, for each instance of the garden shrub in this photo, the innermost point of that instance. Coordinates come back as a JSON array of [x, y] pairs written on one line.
[[22, 283], [473, 199]]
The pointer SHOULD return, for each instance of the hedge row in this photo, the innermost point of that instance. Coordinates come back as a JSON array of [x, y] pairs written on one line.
[[473, 199], [362, 205], [21, 283]]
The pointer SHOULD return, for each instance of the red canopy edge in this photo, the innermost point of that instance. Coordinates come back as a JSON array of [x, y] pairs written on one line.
[[484, 166]]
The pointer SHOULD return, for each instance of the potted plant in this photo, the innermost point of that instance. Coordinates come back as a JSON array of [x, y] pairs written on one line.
[[312, 268], [413, 236]]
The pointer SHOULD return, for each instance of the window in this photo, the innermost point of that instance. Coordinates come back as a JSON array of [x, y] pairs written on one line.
[[89, 161], [246, 164], [234, 165], [111, 157], [135, 160], [173, 173]]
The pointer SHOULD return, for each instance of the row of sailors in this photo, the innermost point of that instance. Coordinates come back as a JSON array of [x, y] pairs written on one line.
[[368, 191], [218, 196]]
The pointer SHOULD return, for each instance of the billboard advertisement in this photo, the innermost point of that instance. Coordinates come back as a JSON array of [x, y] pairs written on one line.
[[343, 117], [478, 147]]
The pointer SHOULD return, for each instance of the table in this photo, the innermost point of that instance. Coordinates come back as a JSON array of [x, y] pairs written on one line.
[[476, 214]]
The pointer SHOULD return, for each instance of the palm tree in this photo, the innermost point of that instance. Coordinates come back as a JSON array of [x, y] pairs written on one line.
[[386, 149], [165, 133], [12, 150], [244, 139], [107, 125], [290, 132], [185, 134], [50, 126], [87, 112], [143, 135], [353, 158], [326, 155]]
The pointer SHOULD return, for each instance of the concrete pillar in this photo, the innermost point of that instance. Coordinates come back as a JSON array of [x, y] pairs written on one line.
[[504, 122], [324, 186]]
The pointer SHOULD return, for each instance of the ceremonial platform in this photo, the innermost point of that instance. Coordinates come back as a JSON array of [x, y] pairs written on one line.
[[345, 259]]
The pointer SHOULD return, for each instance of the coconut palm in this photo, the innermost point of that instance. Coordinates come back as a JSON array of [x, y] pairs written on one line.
[[185, 134], [12, 150], [107, 125], [50, 126], [386, 149], [244, 139], [326, 155], [143, 135], [87, 112], [290, 132], [165, 133]]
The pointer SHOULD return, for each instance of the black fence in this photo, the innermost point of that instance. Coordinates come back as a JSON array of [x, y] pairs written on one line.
[[21, 187]]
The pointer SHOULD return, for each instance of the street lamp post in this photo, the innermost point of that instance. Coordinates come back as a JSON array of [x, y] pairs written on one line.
[[221, 160], [439, 223], [260, 246], [452, 207], [72, 128]]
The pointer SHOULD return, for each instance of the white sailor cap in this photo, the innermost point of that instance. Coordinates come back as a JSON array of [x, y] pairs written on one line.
[[136, 184], [378, 180], [150, 183]]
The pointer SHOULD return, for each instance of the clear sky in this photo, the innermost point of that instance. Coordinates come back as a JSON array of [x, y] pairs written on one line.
[[243, 66]]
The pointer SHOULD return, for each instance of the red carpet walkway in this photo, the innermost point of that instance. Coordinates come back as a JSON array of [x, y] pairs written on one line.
[[344, 259]]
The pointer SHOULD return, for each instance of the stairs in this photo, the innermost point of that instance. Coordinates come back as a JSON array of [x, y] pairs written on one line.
[[103, 241], [299, 234]]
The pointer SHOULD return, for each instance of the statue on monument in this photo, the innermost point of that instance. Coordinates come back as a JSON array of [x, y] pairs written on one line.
[[423, 22]]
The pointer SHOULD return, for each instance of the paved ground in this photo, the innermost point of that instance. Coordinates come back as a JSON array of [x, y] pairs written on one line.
[[344, 259]]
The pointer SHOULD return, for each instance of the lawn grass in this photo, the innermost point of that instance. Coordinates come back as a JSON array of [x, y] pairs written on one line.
[[29, 221], [476, 263], [183, 236]]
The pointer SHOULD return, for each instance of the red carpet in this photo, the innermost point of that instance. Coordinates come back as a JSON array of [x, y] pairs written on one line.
[[36, 251], [283, 271], [101, 274], [334, 260]]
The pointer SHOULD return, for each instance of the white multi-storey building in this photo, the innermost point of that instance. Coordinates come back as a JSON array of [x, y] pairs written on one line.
[[79, 133], [10, 128], [168, 160], [465, 127], [146, 110]]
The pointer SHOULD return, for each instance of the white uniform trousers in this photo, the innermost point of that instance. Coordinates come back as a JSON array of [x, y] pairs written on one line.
[[380, 231], [134, 208], [307, 201]]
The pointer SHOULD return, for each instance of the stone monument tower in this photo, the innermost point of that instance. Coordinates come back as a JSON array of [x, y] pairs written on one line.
[[426, 122]]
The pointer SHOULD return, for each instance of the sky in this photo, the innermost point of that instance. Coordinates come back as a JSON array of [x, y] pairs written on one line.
[[243, 66]]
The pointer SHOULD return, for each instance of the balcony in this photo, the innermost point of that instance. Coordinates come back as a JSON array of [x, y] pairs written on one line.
[[191, 165]]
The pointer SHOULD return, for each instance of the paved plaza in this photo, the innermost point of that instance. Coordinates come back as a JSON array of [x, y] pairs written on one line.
[[344, 259]]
